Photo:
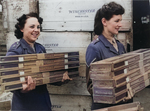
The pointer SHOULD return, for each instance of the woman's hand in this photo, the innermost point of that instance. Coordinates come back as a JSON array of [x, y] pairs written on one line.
[[29, 85], [66, 77]]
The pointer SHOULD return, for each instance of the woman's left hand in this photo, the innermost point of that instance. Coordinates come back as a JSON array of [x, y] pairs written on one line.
[[29, 85], [66, 77]]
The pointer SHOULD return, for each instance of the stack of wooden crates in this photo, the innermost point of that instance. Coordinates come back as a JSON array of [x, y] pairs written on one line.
[[45, 67], [119, 78]]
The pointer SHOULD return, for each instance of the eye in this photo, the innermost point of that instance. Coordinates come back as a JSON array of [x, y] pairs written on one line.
[[38, 27], [117, 20], [32, 26]]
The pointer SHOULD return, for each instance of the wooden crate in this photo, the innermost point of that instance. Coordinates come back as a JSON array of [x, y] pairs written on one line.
[[108, 90], [110, 99], [135, 106], [29, 57], [115, 63], [144, 53], [54, 74], [116, 81], [110, 74], [46, 68], [78, 16], [138, 83], [36, 69], [29, 64]]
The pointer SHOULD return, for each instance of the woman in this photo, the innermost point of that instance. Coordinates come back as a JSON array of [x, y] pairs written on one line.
[[106, 26], [31, 97]]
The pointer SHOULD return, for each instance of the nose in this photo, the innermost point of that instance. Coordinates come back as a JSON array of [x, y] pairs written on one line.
[[120, 24], [36, 29]]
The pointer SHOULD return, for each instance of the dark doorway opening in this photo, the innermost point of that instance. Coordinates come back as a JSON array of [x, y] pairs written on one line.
[[141, 24]]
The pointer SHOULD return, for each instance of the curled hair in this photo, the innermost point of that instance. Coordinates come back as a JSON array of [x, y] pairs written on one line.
[[21, 22], [107, 11]]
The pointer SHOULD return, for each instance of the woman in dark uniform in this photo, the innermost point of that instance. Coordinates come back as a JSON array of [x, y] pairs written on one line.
[[31, 97], [106, 26]]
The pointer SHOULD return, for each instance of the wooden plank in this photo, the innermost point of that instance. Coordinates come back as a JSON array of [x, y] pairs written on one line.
[[78, 16]]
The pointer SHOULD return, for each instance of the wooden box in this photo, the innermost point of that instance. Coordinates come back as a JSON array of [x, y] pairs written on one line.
[[135, 106], [115, 63], [138, 79], [29, 64], [110, 74], [108, 90], [144, 53], [54, 74], [35, 69], [110, 99], [116, 81], [29, 57], [46, 68], [138, 83], [10, 86]]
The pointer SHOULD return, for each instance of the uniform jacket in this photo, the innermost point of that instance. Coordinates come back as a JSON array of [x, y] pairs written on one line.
[[37, 99], [98, 50]]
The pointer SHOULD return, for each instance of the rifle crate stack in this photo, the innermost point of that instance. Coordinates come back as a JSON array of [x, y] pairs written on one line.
[[118, 78], [45, 67], [125, 107]]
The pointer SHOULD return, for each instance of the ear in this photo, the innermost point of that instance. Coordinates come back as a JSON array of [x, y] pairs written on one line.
[[21, 30], [104, 22]]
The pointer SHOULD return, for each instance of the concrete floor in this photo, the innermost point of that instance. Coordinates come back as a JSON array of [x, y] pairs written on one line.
[[144, 98]]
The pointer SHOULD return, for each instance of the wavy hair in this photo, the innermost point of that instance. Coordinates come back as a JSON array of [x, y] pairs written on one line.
[[107, 11], [21, 22]]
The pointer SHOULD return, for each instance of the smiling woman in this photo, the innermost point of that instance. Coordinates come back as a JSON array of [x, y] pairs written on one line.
[[31, 97], [31, 30], [106, 26]]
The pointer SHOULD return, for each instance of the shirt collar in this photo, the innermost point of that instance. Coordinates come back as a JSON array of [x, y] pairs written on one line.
[[107, 44], [26, 46]]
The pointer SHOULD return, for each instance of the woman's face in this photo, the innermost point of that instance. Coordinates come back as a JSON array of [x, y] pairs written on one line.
[[112, 26], [31, 30]]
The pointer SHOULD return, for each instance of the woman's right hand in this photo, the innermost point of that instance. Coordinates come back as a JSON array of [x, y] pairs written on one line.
[[29, 85]]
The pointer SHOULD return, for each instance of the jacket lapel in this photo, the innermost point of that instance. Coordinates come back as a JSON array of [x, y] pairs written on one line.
[[37, 48], [107, 44]]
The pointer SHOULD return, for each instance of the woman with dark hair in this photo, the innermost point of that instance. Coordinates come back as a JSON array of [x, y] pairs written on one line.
[[31, 97], [106, 26]]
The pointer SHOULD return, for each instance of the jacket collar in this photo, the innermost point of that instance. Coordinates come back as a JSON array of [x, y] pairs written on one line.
[[108, 44], [26, 46]]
